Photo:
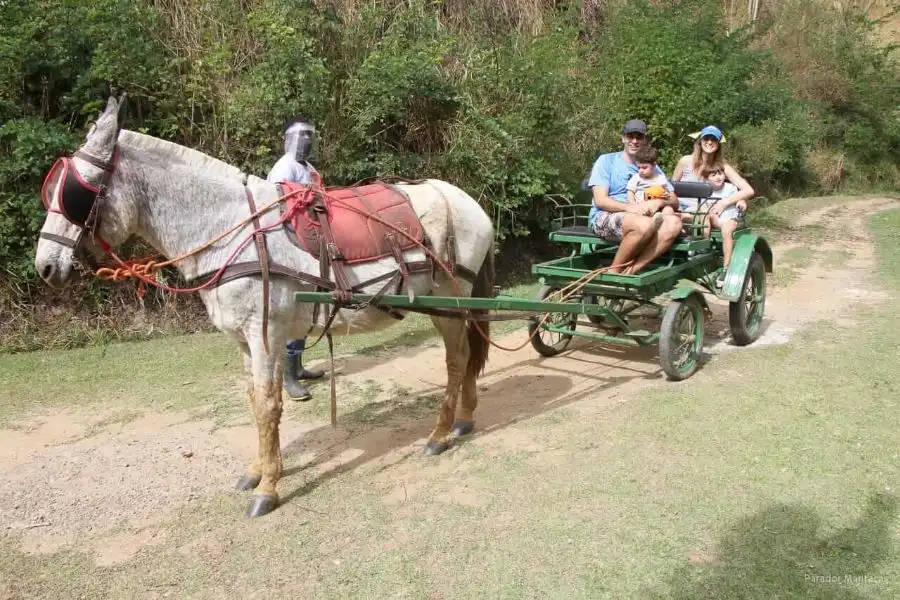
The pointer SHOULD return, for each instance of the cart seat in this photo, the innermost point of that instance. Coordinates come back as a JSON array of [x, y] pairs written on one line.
[[581, 231], [582, 234], [577, 230]]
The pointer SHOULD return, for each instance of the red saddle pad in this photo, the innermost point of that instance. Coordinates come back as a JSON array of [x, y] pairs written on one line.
[[356, 218]]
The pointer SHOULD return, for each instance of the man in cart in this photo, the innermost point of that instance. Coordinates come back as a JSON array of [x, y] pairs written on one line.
[[642, 231], [294, 165]]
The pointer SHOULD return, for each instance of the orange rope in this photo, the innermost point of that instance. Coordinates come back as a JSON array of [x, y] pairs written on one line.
[[146, 271]]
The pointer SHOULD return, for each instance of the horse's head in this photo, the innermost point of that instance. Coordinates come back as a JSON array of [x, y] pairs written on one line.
[[82, 206]]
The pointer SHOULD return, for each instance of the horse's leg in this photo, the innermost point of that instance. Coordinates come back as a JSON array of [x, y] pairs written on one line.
[[465, 412], [251, 479], [266, 403], [456, 345]]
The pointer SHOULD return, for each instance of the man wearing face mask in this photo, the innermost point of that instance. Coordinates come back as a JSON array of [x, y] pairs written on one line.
[[299, 140]]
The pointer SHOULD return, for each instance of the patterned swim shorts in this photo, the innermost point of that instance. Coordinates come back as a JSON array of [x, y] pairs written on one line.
[[609, 225]]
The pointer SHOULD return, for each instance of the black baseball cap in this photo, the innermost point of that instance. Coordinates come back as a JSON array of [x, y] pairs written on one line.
[[635, 126]]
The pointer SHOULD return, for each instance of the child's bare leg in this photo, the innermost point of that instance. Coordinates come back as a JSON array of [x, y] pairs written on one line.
[[709, 222], [668, 210], [727, 228]]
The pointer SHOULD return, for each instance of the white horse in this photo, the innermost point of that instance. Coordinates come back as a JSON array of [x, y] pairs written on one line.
[[176, 199]]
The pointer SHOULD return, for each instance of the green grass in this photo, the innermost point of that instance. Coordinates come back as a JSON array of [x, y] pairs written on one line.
[[201, 372], [791, 264], [779, 220], [800, 257], [769, 475], [835, 258]]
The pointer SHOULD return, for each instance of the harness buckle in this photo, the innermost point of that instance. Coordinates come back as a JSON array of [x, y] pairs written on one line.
[[333, 252]]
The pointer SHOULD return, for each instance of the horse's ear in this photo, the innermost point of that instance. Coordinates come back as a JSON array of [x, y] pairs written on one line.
[[111, 106], [121, 108]]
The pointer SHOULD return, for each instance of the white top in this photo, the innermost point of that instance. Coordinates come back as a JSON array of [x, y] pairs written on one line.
[[638, 184], [687, 170], [288, 169], [726, 191]]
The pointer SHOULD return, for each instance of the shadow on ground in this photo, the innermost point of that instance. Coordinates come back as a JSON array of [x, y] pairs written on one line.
[[780, 552], [509, 394], [372, 355], [377, 429]]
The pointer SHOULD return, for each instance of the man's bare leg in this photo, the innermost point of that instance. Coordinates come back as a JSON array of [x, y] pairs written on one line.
[[638, 233], [668, 231]]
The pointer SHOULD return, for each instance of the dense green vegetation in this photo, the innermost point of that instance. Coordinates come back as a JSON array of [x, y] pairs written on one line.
[[509, 99]]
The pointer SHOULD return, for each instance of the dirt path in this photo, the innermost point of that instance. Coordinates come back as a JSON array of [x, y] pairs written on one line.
[[111, 484]]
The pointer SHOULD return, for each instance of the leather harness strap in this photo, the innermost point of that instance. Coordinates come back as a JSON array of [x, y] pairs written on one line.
[[330, 250], [259, 238], [108, 166], [341, 288], [451, 233], [246, 269], [60, 239], [395, 247]]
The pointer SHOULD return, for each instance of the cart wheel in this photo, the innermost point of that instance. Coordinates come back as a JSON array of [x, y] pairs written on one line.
[[745, 315], [595, 319], [681, 338], [550, 343]]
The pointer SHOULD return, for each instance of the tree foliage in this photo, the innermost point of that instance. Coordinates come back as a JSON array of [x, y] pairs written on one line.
[[509, 102]]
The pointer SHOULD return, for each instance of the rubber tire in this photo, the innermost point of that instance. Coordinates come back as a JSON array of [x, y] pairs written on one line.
[[666, 350], [536, 342], [741, 332]]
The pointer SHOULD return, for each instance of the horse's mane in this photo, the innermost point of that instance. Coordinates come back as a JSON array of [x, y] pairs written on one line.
[[170, 151]]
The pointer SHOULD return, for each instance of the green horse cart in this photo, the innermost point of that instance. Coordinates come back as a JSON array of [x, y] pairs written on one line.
[[670, 290]]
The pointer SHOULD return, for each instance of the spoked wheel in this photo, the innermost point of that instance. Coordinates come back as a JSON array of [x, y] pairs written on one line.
[[745, 315], [595, 319], [681, 338], [614, 305], [551, 343]]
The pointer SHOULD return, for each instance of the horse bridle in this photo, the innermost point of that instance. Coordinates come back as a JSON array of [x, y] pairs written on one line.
[[81, 205], [79, 202]]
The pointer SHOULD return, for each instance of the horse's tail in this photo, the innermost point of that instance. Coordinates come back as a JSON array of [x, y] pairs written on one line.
[[479, 342]]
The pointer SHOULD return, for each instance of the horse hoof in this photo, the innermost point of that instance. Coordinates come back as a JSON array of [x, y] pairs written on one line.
[[435, 448], [248, 482], [461, 427], [261, 505]]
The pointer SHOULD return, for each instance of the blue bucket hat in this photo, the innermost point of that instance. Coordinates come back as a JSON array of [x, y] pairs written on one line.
[[709, 130]]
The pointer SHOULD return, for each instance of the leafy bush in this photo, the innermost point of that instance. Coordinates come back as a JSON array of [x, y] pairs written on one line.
[[29, 147], [510, 100], [847, 78]]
